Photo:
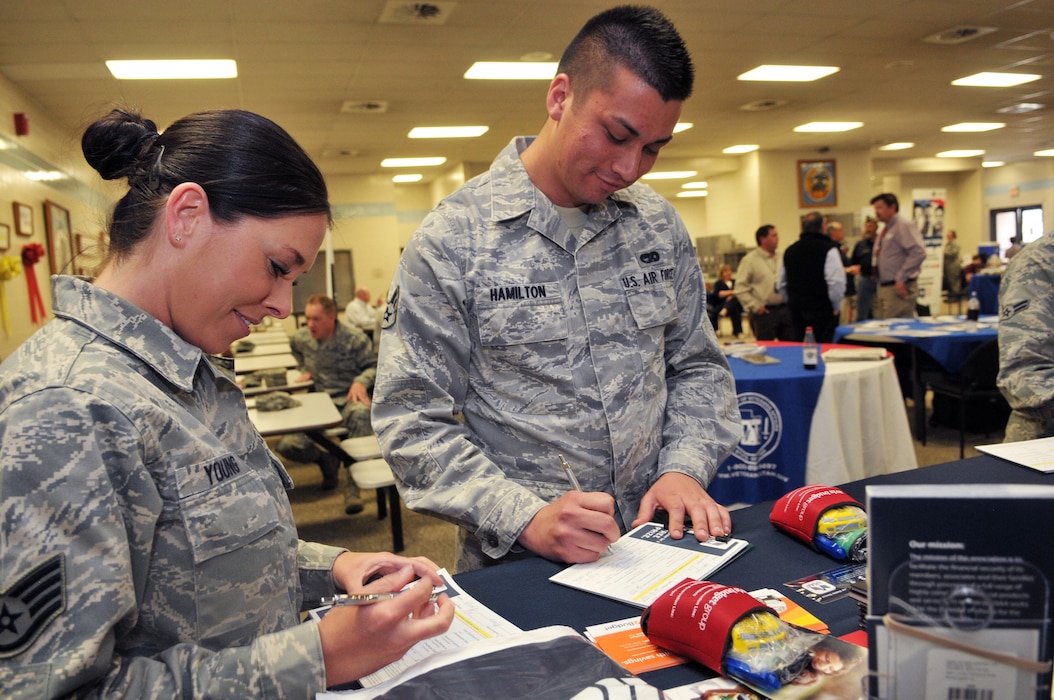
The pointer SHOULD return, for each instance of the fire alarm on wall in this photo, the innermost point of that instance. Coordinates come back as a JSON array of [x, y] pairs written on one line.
[[21, 124]]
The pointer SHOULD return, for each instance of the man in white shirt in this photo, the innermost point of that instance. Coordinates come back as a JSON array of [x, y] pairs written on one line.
[[360, 314]]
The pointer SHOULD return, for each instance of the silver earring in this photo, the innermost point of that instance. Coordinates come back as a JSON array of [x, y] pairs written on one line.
[[179, 238]]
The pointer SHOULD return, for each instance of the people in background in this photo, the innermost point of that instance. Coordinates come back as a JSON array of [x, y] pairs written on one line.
[[977, 264], [836, 232], [756, 288], [1014, 249], [360, 314], [899, 252], [342, 362], [812, 279], [725, 302], [148, 545], [953, 266], [552, 308], [866, 284], [1026, 351]]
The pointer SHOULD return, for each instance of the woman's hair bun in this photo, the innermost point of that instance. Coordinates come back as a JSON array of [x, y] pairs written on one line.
[[114, 144]]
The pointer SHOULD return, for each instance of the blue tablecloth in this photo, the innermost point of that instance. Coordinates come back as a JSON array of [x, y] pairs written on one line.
[[776, 402], [947, 339], [987, 288]]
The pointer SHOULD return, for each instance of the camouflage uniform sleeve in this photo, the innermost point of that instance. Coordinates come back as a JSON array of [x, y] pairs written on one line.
[[1026, 353], [315, 562], [296, 348], [83, 499], [422, 384], [702, 424]]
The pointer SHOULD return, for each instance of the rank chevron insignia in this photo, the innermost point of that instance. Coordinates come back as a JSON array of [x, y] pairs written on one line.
[[30, 604]]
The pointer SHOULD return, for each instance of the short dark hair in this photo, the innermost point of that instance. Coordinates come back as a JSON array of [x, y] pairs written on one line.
[[247, 165], [812, 222], [326, 302], [641, 39], [763, 232], [888, 198]]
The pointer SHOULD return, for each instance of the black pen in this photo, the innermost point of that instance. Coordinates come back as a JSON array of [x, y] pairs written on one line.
[[576, 486]]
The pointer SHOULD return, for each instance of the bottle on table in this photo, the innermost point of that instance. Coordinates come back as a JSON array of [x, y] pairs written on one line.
[[973, 307], [810, 350]]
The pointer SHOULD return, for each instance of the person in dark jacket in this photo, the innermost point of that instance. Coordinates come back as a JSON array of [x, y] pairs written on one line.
[[812, 280]]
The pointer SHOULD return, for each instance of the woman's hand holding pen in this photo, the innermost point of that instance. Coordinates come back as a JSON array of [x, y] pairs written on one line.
[[577, 527], [357, 640]]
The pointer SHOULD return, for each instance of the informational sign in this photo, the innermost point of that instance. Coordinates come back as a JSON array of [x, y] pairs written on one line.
[[928, 215]]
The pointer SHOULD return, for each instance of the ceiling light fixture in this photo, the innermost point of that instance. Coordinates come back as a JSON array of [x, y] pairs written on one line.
[[996, 79], [669, 174], [447, 132], [794, 74], [511, 70], [174, 70], [412, 162], [992, 163], [1021, 108], [697, 185], [1045, 153], [972, 127], [961, 153], [897, 146], [44, 175], [682, 126], [408, 177], [692, 193], [742, 148], [827, 127]]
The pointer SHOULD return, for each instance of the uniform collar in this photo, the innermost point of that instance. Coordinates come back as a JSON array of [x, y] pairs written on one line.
[[514, 195], [125, 325]]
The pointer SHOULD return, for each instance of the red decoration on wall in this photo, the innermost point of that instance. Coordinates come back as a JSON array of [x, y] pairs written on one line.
[[21, 124], [31, 255]]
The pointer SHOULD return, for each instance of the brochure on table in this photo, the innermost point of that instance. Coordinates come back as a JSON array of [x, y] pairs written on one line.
[[959, 600], [1034, 454], [646, 561]]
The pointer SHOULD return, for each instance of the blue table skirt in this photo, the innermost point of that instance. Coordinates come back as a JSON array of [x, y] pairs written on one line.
[[947, 343], [987, 288], [776, 402]]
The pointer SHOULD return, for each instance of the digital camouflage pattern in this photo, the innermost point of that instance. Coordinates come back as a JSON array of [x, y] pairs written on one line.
[[1026, 341], [148, 548], [509, 340]]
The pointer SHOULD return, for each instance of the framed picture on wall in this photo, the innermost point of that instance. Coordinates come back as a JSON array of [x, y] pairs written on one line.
[[5, 236], [23, 219], [817, 186], [60, 239]]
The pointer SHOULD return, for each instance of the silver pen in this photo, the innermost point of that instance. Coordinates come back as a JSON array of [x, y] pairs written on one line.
[[577, 487], [369, 598]]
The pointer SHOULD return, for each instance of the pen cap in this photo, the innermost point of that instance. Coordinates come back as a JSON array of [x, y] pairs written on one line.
[[695, 619], [798, 512]]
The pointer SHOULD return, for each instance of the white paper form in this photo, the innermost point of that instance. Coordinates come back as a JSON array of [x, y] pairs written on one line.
[[646, 561], [1034, 454]]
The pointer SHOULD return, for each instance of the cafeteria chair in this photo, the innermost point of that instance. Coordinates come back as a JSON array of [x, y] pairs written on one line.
[[372, 472], [974, 388]]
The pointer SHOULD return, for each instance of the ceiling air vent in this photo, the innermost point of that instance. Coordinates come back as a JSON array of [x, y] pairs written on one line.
[[402, 12], [958, 35], [364, 107], [762, 105]]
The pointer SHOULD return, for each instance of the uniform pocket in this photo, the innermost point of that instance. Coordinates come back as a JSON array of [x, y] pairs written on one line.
[[652, 305], [228, 516], [521, 314]]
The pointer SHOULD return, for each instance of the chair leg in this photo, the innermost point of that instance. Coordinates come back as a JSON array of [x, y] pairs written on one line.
[[962, 427], [382, 506], [397, 519]]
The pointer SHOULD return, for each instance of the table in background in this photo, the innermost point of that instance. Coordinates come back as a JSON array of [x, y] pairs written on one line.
[[316, 412], [521, 592], [987, 288], [947, 340], [839, 422], [267, 337], [291, 384], [259, 362], [262, 349]]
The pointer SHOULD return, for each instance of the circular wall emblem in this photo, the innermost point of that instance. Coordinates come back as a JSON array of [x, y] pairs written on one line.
[[762, 427]]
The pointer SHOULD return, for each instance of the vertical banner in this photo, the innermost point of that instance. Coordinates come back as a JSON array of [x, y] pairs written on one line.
[[928, 215]]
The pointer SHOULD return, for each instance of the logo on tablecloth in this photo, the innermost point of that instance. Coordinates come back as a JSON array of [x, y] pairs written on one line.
[[762, 427]]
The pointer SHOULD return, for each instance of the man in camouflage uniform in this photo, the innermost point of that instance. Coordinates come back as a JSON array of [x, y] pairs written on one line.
[[340, 359], [194, 504], [1026, 345], [551, 307]]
